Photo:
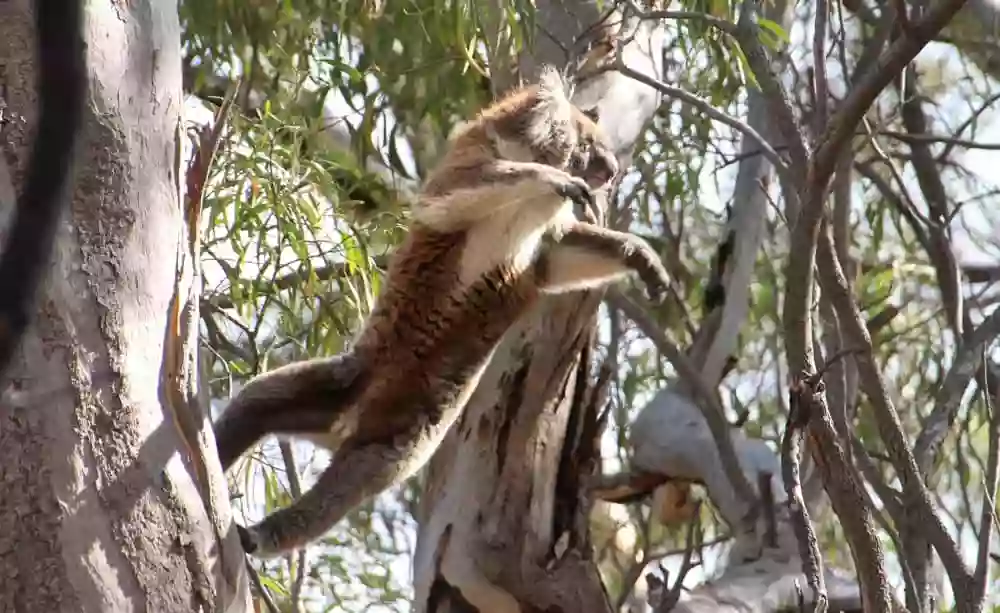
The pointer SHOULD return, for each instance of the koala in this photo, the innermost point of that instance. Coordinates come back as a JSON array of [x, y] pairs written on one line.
[[493, 230]]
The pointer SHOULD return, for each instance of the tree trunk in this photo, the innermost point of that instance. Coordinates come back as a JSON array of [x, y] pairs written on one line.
[[105, 504], [503, 524]]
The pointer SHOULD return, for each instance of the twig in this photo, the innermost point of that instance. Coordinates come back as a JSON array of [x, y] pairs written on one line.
[[711, 407], [688, 98], [261, 590], [295, 486], [987, 514], [889, 64]]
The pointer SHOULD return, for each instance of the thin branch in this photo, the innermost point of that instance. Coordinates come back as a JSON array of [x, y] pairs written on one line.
[[930, 138], [325, 272], [791, 450], [968, 357], [888, 66], [692, 541], [915, 492], [781, 113], [819, 63], [847, 495], [261, 590], [705, 107], [987, 514], [709, 404], [295, 487], [725, 26], [988, 103]]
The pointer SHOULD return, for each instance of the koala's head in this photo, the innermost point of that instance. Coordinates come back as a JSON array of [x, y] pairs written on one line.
[[538, 123], [593, 159]]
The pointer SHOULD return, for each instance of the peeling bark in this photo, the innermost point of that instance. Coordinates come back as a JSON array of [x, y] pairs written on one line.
[[100, 506]]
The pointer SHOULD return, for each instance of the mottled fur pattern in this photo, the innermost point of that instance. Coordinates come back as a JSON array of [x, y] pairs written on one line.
[[494, 229]]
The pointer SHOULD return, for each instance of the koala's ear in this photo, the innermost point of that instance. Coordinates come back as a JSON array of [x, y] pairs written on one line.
[[592, 113]]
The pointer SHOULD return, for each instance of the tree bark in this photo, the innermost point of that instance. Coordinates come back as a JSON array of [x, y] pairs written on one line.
[[503, 518], [105, 504]]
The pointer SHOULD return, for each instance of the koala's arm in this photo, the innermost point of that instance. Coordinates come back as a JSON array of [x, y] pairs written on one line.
[[298, 398], [376, 457], [459, 196], [588, 256]]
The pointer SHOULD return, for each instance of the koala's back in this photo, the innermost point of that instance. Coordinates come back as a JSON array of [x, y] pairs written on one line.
[[429, 336]]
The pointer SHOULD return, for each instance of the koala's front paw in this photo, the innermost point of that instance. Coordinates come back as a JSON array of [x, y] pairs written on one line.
[[577, 190], [248, 539], [650, 269], [591, 214]]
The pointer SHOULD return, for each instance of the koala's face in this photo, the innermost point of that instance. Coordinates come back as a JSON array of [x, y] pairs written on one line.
[[593, 159]]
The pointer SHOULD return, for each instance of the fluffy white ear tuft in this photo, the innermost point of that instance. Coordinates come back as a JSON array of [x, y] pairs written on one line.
[[550, 83], [554, 106]]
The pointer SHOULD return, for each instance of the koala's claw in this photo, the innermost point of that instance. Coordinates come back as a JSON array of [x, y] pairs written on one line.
[[652, 272], [592, 215], [578, 191], [656, 289]]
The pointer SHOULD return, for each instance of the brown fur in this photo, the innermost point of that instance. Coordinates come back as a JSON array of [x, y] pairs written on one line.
[[492, 231]]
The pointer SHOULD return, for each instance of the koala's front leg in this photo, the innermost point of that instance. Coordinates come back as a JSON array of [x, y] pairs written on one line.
[[587, 256], [459, 197]]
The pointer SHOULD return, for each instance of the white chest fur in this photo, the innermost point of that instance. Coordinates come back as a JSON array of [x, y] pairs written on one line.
[[513, 235]]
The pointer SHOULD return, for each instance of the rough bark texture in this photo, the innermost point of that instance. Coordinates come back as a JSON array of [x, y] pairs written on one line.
[[503, 523], [100, 508]]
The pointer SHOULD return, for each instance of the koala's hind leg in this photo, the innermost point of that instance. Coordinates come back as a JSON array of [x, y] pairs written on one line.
[[365, 465], [588, 256], [299, 398]]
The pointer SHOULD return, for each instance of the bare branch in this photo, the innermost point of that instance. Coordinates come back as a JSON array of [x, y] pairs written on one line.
[[708, 401], [987, 513], [781, 115], [791, 449], [915, 492], [819, 63], [868, 87], [846, 494], [968, 358], [295, 488], [688, 98]]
